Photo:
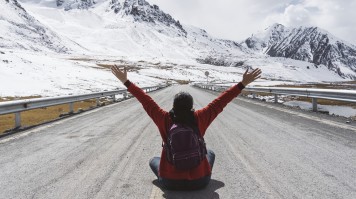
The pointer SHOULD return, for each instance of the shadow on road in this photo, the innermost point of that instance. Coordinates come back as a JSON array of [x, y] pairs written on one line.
[[207, 193]]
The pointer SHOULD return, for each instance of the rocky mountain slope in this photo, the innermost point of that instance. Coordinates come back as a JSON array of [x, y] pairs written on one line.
[[138, 31], [19, 30], [309, 44], [129, 28], [141, 11]]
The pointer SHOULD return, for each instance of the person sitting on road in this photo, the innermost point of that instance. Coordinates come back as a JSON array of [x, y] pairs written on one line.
[[169, 176]]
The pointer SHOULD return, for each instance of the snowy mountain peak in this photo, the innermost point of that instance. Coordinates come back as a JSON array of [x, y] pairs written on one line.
[[310, 44], [75, 4], [276, 27], [67, 52], [142, 11], [138, 10], [19, 30]]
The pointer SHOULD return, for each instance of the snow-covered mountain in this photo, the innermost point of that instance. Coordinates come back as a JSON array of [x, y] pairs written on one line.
[[65, 47], [19, 30], [127, 28], [310, 44], [75, 4], [141, 10]]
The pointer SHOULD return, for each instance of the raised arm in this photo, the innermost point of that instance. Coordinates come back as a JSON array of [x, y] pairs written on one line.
[[207, 114], [150, 106]]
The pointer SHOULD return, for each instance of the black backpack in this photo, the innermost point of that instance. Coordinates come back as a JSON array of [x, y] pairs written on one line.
[[185, 147]]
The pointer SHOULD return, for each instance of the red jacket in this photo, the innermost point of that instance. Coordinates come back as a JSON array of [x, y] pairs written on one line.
[[162, 119]]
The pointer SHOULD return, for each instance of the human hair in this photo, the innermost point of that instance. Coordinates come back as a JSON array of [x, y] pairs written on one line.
[[183, 102], [182, 108]]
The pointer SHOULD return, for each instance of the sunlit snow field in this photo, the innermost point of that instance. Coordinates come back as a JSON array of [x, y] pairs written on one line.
[[98, 38]]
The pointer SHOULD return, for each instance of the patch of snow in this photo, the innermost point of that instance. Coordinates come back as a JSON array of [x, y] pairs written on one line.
[[345, 111], [26, 74], [95, 35]]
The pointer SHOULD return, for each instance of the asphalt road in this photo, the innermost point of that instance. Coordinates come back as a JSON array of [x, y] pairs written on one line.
[[262, 151]]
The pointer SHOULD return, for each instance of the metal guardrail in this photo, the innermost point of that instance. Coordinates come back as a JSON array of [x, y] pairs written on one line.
[[19, 106], [330, 94]]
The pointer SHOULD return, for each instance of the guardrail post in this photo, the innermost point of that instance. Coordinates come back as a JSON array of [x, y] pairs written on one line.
[[113, 98], [71, 108], [17, 119], [315, 105], [125, 95], [275, 98], [97, 102]]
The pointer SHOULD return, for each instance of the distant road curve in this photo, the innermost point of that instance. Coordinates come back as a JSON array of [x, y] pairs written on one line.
[[262, 151]]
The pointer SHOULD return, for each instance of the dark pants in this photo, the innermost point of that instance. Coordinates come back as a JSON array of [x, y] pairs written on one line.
[[183, 184]]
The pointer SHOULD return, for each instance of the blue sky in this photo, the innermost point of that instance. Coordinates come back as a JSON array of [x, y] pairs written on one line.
[[238, 19]]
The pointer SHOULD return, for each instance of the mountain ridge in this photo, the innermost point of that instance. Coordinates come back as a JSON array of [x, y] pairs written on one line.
[[137, 28], [141, 10], [23, 31], [310, 44]]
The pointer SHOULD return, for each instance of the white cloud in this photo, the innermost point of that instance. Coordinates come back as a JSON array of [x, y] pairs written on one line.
[[296, 15], [237, 20], [331, 15]]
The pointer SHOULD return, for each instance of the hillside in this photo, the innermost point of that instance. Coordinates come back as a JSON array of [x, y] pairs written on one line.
[[310, 44], [61, 47], [19, 30]]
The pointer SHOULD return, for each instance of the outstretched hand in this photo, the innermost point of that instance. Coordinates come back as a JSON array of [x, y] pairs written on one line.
[[247, 78], [120, 74]]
